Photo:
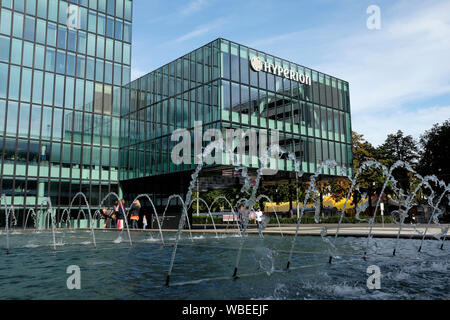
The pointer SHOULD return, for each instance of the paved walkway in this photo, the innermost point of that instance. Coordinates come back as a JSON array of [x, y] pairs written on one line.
[[346, 230]]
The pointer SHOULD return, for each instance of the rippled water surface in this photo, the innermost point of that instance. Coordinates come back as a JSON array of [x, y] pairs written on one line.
[[204, 266]]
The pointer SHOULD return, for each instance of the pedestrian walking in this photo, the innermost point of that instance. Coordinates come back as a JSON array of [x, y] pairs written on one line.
[[134, 214]]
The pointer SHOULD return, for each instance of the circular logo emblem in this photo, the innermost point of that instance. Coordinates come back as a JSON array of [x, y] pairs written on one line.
[[256, 64]]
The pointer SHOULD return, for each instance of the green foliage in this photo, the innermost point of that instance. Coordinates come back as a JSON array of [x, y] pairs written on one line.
[[398, 147], [333, 219], [206, 220], [435, 153], [306, 220]]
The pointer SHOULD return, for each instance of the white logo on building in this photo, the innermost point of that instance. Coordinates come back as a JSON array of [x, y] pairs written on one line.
[[258, 65]]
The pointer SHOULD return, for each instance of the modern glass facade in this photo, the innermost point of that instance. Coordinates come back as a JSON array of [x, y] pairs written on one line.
[[216, 84], [62, 67], [72, 121]]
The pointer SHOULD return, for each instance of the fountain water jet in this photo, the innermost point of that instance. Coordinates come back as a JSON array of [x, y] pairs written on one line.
[[209, 212], [207, 151], [232, 211], [6, 224], [310, 190], [81, 194], [154, 210], [126, 220], [424, 181]]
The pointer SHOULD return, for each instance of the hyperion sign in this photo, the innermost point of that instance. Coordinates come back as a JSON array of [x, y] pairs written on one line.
[[258, 65]]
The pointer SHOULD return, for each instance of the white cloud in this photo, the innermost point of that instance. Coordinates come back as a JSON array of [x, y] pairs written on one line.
[[201, 30], [137, 73], [376, 126], [194, 6], [389, 70]]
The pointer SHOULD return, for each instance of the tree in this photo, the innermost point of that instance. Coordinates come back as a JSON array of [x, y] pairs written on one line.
[[398, 147], [371, 180], [339, 188], [435, 153], [362, 150]]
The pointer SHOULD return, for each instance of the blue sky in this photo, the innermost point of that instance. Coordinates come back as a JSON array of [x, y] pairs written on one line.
[[399, 75]]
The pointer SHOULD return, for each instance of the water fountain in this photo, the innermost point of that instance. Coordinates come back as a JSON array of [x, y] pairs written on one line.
[[270, 251]]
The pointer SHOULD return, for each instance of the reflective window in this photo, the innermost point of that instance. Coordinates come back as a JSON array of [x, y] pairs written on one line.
[[62, 12], [50, 59], [16, 51], [72, 40], [100, 47], [14, 82], [29, 28], [127, 55], [108, 72], [18, 25], [51, 34], [89, 96], [81, 42], [61, 61], [46, 132], [62, 35], [48, 89], [28, 52], [31, 6], [42, 8], [5, 21], [101, 24], [110, 27], [37, 86], [11, 121], [81, 65], [69, 92], [41, 27], [91, 47], [79, 94], [4, 48], [119, 29], [90, 67], [70, 64], [3, 79], [57, 124], [59, 91], [39, 57], [117, 51], [2, 119]]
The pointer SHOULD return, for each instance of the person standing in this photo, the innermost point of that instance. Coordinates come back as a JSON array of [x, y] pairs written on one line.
[[134, 214], [144, 221], [259, 216], [121, 215]]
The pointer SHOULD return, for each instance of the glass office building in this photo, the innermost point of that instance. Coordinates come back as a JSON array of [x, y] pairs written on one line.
[[62, 67], [217, 85], [72, 121]]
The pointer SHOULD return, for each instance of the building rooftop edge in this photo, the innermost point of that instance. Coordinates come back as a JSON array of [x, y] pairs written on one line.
[[221, 38]]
